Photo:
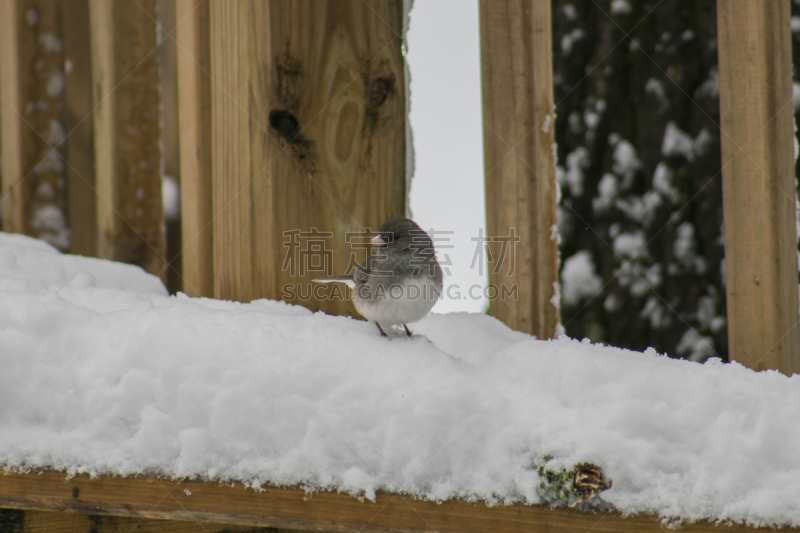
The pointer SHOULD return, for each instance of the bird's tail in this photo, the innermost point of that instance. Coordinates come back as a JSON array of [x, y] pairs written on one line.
[[348, 280]]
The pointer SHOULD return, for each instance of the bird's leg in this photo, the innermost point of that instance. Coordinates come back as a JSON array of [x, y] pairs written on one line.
[[408, 331], [383, 333]]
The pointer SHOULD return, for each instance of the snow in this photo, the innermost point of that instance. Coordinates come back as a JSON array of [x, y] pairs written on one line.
[[662, 182], [577, 161], [656, 88], [569, 39], [620, 7], [579, 278], [171, 198], [607, 191], [626, 161], [104, 373]]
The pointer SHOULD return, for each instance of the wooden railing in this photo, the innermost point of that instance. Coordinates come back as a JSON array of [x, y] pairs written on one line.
[[292, 115]]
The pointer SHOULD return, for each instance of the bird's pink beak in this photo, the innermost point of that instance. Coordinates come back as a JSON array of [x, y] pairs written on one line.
[[377, 240]]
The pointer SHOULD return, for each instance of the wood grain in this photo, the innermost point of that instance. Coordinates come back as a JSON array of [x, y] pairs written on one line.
[[755, 89], [55, 522], [292, 508], [194, 114], [308, 132], [80, 141], [129, 162], [33, 130], [518, 139]]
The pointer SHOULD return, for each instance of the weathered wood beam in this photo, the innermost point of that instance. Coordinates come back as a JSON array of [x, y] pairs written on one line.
[[758, 183], [308, 133], [79, 126], [32, 112], [518, 137], [17, 521], [194, 114], [127, 132], [293, 508]]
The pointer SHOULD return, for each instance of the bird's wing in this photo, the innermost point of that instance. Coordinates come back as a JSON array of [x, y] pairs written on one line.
[[348, 280]]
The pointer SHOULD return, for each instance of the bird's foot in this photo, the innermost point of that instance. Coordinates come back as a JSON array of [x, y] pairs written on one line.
[[383, 333], [408, 331]]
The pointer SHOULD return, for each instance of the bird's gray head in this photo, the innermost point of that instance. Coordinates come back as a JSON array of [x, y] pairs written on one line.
[[402, 234]]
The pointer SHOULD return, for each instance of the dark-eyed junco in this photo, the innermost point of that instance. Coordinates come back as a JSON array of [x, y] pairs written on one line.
[[401, 281]]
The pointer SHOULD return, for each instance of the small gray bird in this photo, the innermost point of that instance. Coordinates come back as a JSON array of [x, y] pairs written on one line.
[[401, 281]]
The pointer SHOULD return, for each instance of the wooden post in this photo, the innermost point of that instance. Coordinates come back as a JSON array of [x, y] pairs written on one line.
[[758, 178], [308, 133], [518, 137], [194, 114], [80, 142], [127, 130], [33, 130]]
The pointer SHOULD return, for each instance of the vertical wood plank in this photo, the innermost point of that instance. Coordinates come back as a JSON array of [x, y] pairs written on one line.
[[308, 131], [755, 72], [129, 162], [194, 115], [82, 201], [168, 59], [518, 137], [33, 131]]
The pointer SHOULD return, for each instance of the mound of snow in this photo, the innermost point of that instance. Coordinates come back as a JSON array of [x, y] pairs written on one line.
[[114, 376]]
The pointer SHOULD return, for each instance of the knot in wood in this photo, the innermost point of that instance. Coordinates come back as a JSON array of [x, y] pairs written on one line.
[[379, 91], [285, 123]]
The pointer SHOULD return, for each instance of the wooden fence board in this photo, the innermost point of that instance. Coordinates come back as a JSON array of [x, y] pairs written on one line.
[[758, 177], [127, 133], [308, 131], [518, 139], [33, 130], [292, 508], [194, 113], [79, 126]]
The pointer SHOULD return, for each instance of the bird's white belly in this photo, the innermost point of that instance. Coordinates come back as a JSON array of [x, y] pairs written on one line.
[[399, 304]]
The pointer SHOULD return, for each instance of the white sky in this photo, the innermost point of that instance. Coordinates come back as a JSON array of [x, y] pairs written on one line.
[[447, 189]]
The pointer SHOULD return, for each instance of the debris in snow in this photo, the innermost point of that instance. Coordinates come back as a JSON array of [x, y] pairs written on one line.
[[579, 279], [573, 486]]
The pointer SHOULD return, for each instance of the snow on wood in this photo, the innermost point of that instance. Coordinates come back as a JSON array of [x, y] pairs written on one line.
[[104, 374]]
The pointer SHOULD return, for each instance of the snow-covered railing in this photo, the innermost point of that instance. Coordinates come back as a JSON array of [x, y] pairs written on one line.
[[255, 172], [294, 508]]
